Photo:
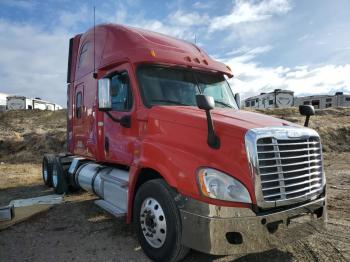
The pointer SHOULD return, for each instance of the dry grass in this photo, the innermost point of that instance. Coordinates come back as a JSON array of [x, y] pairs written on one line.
[[25, 135], [17, 175], [332, 124]]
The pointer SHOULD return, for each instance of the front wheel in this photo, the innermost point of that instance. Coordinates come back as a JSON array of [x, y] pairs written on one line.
[[158, 223]]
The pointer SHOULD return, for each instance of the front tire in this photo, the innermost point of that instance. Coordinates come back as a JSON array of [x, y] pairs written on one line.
[[158, 223]]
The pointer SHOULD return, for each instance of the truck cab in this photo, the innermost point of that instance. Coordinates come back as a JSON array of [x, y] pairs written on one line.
[[155, 131]]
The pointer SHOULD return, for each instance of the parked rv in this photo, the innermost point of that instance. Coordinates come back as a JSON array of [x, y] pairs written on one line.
[[339, 99], [155, 132], [3, 99], [22, 102], [277, 99]]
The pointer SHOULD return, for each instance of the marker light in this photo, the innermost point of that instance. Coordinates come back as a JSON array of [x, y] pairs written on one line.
[[153, 53]]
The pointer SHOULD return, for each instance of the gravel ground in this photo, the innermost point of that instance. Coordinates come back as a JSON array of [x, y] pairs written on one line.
[[77, 230]]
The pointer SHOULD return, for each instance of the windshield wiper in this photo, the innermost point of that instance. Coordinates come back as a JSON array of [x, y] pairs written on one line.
[[170, 101], [223, 103]]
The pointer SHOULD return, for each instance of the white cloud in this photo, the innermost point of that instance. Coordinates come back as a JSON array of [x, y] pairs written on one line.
[[20, 4], [33, 62], [247, 54], [182, 18], [180, 24], [251, 78], [202, 5], [246, 11], [72, 19]]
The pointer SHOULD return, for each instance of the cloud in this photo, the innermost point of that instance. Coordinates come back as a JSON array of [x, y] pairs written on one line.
[[20, 4], [250, 78], [69, 19], [247, 11], [187, 19], [247, 54], [33, 61], [180, 24], [202, 5]]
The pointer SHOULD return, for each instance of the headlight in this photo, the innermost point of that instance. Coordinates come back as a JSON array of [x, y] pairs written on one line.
[[218, 185]]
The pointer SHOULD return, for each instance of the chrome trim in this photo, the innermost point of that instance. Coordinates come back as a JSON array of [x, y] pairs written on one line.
[[284, 133], [205, 226]]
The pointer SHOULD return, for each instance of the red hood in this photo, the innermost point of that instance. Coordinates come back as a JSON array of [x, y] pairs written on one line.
[[224, 119]]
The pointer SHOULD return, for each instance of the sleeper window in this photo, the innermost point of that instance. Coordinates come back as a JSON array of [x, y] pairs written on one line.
[[78, 105], [83, 54]]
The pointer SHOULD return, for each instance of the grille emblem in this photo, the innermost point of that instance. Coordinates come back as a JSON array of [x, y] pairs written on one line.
[[294, 134]]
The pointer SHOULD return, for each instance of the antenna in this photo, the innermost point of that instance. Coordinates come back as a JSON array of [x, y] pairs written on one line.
[[195, 38], [94, 74]]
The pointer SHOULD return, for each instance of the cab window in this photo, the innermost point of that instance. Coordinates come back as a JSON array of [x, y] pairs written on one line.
[[121, 93]]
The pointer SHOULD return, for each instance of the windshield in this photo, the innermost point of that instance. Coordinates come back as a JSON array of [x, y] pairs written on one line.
[[175, 86]]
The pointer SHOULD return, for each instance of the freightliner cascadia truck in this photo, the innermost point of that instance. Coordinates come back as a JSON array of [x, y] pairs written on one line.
[[155, 131]]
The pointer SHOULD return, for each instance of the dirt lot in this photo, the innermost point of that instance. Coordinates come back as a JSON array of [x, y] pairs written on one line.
[[77, 230]]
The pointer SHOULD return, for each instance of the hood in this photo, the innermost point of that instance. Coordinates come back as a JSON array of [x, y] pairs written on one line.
[[223, 118]]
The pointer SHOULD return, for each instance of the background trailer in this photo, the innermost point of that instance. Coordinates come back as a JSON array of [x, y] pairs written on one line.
[[21, 102], [277, 99], [339, 99]]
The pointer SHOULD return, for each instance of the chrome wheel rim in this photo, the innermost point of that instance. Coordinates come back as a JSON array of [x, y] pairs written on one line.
[[54, 178], [153, 222]]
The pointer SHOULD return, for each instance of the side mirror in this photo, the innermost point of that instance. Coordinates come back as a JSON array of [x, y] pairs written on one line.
[[104, 94], [306, 110], [238, 100], [207, 103]]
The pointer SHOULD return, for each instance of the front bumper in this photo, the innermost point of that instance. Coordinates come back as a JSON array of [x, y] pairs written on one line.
[[225, 230]]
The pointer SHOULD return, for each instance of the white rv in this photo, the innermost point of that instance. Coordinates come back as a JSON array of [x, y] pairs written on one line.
[[3, 99], [277, 99], [324, 101], [21, 102]]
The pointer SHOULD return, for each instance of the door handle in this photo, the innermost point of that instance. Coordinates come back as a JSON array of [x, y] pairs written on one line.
[[124, 121], [107, 144]]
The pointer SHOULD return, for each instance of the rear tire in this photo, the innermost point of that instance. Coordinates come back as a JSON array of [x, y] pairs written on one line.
[[59, 177], [47, 164], [158, 223]]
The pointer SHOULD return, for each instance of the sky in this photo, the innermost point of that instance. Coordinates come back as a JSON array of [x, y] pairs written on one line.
[[298, 45]]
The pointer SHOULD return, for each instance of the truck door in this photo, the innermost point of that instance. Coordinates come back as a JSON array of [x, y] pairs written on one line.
[[78, 121], [119, 137]]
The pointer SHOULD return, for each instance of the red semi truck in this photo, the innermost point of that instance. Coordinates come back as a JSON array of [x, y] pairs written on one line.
[[154, 130]]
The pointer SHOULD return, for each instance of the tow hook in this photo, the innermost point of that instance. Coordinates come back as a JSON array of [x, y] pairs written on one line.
[[272, 227]]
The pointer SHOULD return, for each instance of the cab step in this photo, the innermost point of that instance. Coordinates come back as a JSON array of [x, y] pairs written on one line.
[[115, 211]]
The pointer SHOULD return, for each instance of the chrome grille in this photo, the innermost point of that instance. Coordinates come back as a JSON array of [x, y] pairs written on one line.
[[289, 168]]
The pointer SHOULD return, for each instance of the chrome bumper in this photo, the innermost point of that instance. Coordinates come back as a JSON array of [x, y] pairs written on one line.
[[224, 230]]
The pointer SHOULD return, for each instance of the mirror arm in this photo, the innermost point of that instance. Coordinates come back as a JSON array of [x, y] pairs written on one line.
[[306, 124], [124, 121], [213, 140]]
